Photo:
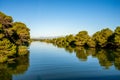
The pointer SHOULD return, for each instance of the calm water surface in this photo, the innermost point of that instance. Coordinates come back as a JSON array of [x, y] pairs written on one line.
[[47, 62]]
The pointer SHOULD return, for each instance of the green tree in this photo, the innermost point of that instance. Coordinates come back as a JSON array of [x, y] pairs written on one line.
[[81, 53], [81, 38], [91, 43], [14, 37], [21, 35], [117, 36], [101, 37]]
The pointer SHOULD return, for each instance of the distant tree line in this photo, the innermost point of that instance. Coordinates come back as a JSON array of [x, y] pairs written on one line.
[[105, 38], [14, 38]]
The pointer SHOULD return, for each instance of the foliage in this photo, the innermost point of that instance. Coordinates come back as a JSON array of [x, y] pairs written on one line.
[[81, 38], [14, 38], [104, 38], [103, 45], [22, 50], [117, 36], [101, 37]]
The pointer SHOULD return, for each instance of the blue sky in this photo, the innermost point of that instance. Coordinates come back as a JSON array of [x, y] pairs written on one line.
[[62, 17]]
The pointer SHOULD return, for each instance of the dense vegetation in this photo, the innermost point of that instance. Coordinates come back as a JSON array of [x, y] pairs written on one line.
[[103, 45], [14, 38], [105, 38]]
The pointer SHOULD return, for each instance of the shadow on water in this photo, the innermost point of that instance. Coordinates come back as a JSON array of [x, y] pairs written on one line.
[[19, 66], [106, 57]]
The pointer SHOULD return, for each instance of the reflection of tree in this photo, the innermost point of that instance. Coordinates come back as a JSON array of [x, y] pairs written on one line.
[[69, 49], [103, 58], [117, 60], [20, 65], [91, 51], [81, 53], [117, 63], [4, 74], [108, 58]]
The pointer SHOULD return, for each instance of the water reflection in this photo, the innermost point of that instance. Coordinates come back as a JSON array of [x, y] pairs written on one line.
[[106, 58], [20, 66]]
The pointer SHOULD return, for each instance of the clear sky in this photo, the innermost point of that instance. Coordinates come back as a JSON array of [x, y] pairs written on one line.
[[61, 17]]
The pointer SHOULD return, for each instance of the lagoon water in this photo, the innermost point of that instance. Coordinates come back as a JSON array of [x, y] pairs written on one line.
[[48, 62]]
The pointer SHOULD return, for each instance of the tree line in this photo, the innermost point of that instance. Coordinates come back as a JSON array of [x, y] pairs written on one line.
[[14, 38], [105, 38], [103, 45]]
